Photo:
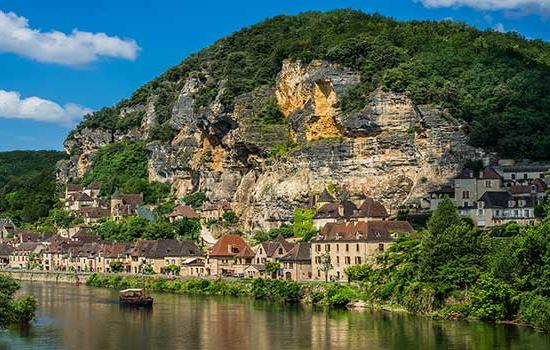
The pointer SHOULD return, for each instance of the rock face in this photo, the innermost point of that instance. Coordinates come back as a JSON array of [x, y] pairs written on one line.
[[392, 149]]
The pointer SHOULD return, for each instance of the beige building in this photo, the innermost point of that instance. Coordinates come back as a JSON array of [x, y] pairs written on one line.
[[296, 264], [348, 244], [24, 254]]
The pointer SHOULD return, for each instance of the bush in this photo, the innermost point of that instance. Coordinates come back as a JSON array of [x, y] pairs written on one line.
[[358, 272], [337, 296], [491, 299], [535, 310], [116, 266]]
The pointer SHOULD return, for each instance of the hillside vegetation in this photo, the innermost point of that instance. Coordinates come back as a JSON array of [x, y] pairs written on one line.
[[499, 83], [27, 184]]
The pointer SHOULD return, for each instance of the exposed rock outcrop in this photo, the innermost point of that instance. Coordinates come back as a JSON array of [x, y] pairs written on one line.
[[392, 149]]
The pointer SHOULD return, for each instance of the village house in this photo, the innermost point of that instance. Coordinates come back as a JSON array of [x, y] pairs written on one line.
[[5, 252], [193, 267], [83, 258], [7, 228], [123, 205], [182, 211], [296, 264], [25, 255], [114, 252], [346, 210], [230, 256], [92, 215], [79, 200], [272, 250], [215, 210], [161, 253], [349, 244], [496, 195]]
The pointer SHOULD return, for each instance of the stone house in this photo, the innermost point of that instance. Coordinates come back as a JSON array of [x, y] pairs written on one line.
[[346, 210], [182, 212], [23, 253], [7, 228], [92, 215], [123, 205], [229, 256], [498, 208], [296, 264], [272, 250], [524, 173], [349, 244], [114, 252], [5, 252], [215, 210], [161, 253]]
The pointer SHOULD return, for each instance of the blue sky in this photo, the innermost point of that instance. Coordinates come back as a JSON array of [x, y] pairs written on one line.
[[49, 80]]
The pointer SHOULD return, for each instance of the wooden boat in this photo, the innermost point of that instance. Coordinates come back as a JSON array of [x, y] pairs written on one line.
[[135, 297]]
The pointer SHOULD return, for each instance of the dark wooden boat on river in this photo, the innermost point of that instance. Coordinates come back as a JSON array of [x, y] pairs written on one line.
[[135, 297]]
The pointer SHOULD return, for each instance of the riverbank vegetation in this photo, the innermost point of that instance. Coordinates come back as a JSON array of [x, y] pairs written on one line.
[[331, 294], [14, 310], [454, 270]]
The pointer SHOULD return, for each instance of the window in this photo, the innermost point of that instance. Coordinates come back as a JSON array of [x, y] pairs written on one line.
[[280, 251], [381, 247], [327, 247], [337, 247], [357, 247], [347, 247], [513, 176], [480, 212], [466, 194], [358, 260], [337, 260], [526, 213], [488, 183], [525, 177], [516, 213], [347, 260]]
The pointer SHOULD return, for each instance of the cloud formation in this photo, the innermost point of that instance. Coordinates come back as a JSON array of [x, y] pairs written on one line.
[[522, 6], [35, 108], [74, 49]]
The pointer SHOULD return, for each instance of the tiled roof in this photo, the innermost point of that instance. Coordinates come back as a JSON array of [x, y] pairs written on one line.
[[27, 247], [82, 197], [331, 210], [375, 231], [300, 252], [237, 243], [165, 248], [185, 211], [526, 169], [372, 209], [73, 188], [502, 200], [5, 250], [326, 197], [93, 186], [490, 174], [95, 213]]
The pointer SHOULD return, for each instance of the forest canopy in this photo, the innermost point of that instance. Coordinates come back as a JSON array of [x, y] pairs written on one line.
[[498, 82]]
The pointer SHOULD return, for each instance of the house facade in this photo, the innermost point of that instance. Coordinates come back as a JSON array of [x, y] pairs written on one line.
[[343, 245]]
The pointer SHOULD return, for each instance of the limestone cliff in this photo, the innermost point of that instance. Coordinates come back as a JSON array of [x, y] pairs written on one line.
[[392, 149]]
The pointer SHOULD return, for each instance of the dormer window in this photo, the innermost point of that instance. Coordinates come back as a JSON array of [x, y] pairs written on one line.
[[511, 204], [378, 234]]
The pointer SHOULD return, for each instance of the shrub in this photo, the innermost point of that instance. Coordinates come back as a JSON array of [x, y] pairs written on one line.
[[535, 310], [491, 299], [337, 296]]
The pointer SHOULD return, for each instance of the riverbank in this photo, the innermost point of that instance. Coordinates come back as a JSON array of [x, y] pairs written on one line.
[[46, 276]]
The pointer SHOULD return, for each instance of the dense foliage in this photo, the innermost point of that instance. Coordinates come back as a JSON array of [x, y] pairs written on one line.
[[27, 184], [14, 311], [498, 82], [259, 288], [123, 166], [133, 228], [454, 270]]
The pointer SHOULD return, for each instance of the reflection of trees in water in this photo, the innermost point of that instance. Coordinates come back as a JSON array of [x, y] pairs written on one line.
[[89, 318]]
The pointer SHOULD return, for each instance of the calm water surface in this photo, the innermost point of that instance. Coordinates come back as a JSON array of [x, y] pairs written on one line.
[[83, 318]]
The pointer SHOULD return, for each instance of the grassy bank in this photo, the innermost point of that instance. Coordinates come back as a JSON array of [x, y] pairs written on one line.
[[330, 294]]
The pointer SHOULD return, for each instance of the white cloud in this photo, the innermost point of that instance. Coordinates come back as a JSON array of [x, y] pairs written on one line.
[[35, 108], [522, 6], [499, 27], [74, 49]]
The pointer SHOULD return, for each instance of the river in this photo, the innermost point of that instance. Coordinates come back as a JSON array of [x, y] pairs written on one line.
[[83, 318]]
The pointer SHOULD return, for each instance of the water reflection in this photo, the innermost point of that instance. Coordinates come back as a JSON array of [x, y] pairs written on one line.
[[89, 318]]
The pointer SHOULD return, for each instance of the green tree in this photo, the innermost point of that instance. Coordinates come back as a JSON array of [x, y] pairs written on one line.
[[116, 266], [326, 265], [188, 228], [272, 268]]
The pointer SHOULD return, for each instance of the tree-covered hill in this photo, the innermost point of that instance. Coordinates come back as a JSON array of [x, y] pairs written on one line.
[[27, 184], [499, 83]]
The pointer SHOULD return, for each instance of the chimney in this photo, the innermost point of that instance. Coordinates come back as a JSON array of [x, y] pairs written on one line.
[[340, 209]]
